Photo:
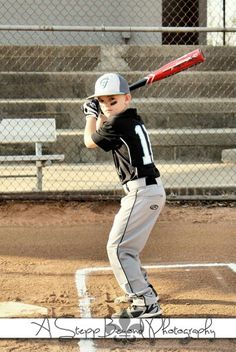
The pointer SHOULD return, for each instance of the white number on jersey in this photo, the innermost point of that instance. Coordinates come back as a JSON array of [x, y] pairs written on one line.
[[140, 130]]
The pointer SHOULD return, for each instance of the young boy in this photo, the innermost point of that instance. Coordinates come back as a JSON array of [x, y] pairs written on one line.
[[113, 126]]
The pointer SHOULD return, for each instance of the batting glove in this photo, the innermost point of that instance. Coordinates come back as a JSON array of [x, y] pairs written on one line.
[[91, 108]]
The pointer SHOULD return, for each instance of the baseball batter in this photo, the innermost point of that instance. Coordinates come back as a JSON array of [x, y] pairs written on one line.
[[113, 126]]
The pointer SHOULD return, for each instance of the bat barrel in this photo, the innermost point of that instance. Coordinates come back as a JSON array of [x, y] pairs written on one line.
[[182, 63]]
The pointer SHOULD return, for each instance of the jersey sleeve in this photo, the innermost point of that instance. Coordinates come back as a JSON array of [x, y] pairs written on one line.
[[107, 136]]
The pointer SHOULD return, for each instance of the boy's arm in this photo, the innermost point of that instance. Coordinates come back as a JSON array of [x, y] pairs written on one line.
[[90, 128], [92, 124]]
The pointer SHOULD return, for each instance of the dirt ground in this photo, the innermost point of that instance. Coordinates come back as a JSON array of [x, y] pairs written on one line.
[[42, 245]]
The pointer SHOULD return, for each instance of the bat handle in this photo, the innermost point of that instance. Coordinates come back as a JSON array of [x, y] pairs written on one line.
[[138, 84]]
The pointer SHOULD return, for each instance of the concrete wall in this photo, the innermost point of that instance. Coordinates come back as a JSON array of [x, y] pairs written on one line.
[[80, 13]]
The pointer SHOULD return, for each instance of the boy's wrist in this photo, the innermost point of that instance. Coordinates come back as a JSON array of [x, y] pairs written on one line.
[[91, 117]]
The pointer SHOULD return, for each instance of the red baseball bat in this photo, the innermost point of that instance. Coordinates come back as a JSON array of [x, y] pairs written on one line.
[[173, 67]]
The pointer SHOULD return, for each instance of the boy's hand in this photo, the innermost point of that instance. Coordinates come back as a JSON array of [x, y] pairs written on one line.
[[91, 108]]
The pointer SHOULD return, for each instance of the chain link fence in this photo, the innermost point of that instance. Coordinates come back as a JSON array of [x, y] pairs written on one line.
[[51, 54]]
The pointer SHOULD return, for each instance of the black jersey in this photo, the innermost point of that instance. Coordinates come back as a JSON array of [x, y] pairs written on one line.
[[126, 136]]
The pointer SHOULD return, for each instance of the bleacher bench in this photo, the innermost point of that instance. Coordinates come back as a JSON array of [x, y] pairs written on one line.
[[33, 130]]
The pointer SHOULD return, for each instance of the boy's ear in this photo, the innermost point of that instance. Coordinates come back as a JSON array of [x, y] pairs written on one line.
[[128, 98]]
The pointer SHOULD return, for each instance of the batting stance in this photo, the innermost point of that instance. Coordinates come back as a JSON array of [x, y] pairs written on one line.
[[113, 126]]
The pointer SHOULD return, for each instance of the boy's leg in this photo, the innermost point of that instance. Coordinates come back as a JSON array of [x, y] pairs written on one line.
[[127, 299], [130, 231]]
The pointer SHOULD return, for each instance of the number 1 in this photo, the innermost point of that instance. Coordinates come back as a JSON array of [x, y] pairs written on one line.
[[145, 142]]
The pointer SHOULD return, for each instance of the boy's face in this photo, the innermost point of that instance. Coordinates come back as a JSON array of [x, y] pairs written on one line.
[[112, 105]]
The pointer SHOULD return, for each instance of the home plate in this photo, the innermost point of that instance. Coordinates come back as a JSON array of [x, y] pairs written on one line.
[[18, 309]]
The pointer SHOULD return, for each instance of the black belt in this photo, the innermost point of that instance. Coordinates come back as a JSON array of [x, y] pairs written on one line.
[[150, 180]]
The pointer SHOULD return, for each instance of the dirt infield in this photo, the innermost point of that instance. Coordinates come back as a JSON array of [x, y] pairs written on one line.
[[43, 245]]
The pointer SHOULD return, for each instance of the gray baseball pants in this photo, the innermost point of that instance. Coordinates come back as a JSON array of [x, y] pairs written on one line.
[[131, 228]]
